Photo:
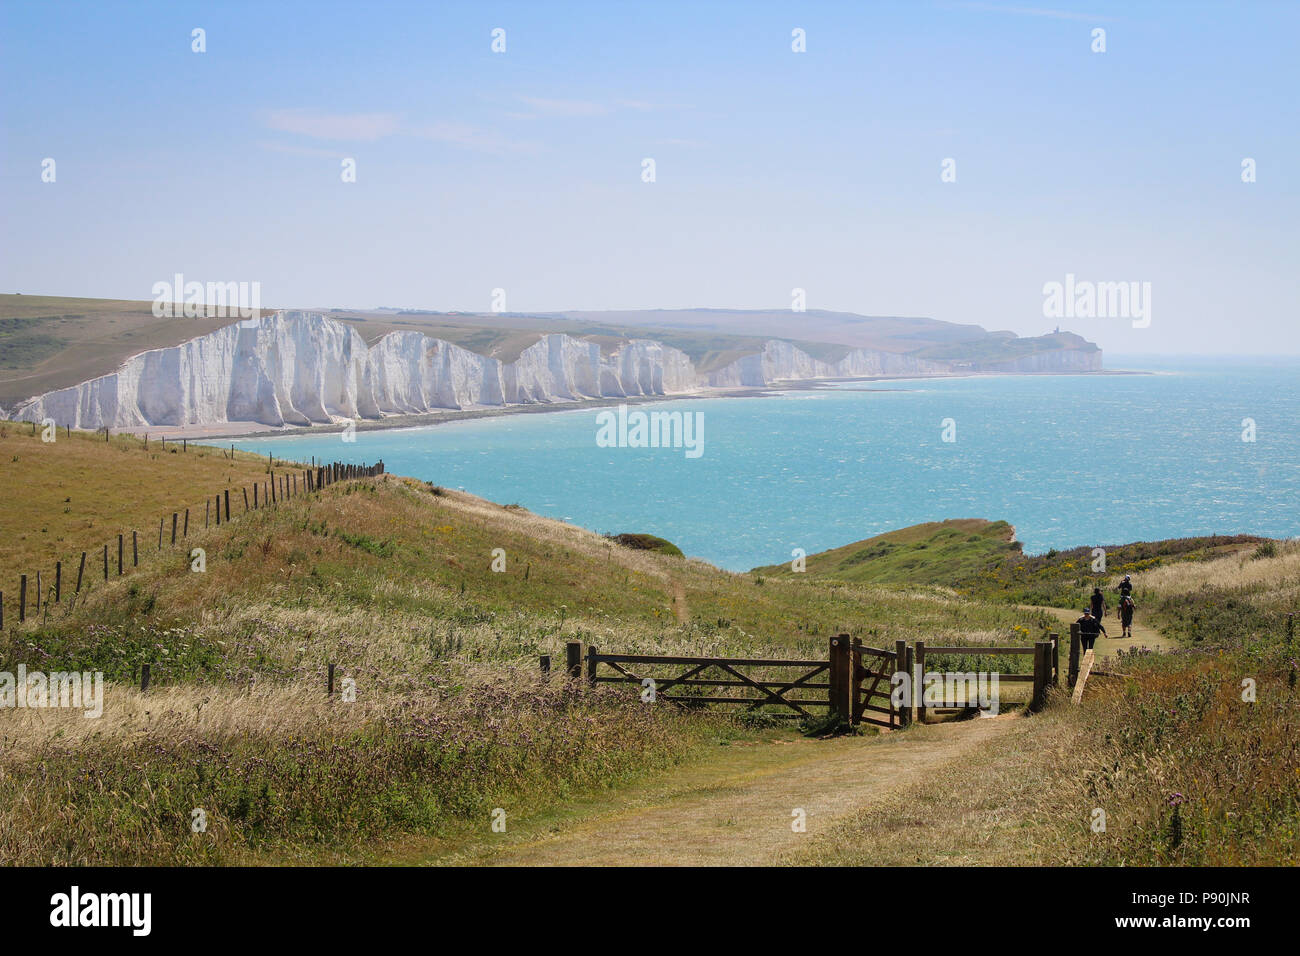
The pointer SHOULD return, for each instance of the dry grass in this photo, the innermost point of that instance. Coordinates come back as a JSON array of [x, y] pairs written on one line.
[[79, 492]]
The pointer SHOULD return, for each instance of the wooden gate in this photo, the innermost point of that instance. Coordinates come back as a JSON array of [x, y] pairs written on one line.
[[870, 696], [697, 681]]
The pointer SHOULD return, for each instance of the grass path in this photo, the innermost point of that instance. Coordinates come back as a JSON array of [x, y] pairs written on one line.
[[735, 806], [1143, 634]]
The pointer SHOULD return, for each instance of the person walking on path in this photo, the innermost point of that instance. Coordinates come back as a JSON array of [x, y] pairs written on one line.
[[1089, 628], [1098, 603], [1126, 609]]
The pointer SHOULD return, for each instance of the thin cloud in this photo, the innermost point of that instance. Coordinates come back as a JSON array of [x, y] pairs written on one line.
[[472, 137], [363, 127]]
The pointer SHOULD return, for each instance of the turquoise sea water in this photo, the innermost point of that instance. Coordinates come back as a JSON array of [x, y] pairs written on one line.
[[1068, 460]]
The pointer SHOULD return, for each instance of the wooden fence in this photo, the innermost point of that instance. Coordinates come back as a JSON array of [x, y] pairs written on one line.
[[855, 682], [277, 487]]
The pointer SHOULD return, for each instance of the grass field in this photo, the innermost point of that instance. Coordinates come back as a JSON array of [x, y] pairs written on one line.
[[392, 580]]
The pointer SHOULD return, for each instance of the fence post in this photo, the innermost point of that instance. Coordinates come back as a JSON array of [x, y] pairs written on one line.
[[22, 598], [592, 660], [573, 659], [329, 688], [175, 516], [1040, 675], [839, 678], [160, 531], [918, 685], [105, 562], [144, 679], [81, 569], [545, 662], [856, 671], [121, 553], [226, 494], [900, 667], [58, 581], [1073, 675], [135, 549], [911, 689]]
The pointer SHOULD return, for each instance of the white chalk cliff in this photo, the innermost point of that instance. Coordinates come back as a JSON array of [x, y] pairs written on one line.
[[303, 368]]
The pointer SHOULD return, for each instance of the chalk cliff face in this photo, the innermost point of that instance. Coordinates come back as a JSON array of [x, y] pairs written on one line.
[[781, 361], [298, 368], [303, 368]]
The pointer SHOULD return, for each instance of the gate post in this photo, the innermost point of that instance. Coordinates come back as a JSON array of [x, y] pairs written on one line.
[[591, 664], [904, 713], [839, 678], [918, 685], [573, 660], [1074, 655], [1041, 649], [856, 672]]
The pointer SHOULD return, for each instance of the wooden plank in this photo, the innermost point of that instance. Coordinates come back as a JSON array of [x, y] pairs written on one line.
[[663, 683], [1084, 670], [738, 700], [720, 661]]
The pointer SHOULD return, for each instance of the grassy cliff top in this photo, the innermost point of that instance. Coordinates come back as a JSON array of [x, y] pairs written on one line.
[[937, 552]]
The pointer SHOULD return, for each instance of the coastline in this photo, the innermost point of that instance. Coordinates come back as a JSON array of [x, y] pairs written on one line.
[[238, 430]]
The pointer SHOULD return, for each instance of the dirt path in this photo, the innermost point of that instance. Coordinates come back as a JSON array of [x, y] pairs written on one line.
[[737, 808], [1143, 634], [679, 604]]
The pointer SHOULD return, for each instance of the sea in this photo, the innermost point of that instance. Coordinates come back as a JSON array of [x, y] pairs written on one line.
[[1181, 447]]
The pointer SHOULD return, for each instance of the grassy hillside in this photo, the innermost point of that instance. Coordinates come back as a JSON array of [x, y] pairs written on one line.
[[1191, 756], [391, 579], [937, 552], [79, 492]]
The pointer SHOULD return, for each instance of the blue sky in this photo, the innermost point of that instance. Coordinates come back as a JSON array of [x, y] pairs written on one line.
[[774, 170]]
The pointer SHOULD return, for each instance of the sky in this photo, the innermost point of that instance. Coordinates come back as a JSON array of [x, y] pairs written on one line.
[[774, 170]]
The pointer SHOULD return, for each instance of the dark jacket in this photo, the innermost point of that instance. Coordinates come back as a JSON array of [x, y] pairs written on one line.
[[1098, 605], [1090, 626]]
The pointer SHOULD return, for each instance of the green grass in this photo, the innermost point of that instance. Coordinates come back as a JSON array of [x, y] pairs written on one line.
[[647, 542], [938, 552]]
